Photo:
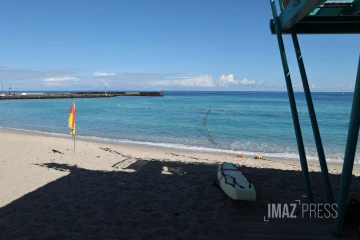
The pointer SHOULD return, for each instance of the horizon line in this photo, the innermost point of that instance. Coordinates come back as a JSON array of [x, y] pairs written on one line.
[[90, 90]]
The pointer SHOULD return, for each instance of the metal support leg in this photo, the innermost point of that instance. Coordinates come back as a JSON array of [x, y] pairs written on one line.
[[349, 158], [314, 124], [300, 143], [281, 5]]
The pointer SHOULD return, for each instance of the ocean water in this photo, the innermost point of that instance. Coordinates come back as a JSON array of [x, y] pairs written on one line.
[[239, 122]]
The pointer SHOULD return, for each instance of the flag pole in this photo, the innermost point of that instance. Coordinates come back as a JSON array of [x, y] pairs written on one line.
[[73, 132], [72, 120]]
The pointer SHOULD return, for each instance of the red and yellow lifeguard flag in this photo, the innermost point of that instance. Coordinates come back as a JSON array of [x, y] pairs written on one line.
[[71, 119]]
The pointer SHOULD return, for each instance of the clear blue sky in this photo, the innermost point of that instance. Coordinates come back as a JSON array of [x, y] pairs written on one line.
[[181, 45]]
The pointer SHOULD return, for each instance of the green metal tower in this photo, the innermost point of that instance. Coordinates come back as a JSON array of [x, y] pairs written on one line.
[[319, 17]]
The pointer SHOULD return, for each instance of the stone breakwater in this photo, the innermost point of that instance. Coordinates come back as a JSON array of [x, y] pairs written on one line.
[[79, 95]]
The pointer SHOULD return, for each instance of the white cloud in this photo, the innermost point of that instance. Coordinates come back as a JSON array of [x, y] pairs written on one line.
[[61, 79], [227, 80], [314, 86], [13, 74], [199, 81], [47, 79], [102, 74], [245, 81], [204, 81], [275, 86], [300, 85], [345, 87]]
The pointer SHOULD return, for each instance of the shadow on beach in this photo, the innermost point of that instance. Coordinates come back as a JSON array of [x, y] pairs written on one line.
[[160, 200]]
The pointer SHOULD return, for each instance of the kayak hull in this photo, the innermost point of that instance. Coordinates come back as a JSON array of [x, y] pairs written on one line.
[[234, 183]]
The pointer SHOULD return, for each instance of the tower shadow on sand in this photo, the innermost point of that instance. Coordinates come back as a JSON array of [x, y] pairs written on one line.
[[159, 200]]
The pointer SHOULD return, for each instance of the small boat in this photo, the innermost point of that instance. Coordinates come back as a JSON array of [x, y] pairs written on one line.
[[234, 183]]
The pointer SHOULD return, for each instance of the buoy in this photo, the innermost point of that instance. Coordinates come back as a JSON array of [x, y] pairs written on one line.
[[118, 104], [240, 155], [257, 157]]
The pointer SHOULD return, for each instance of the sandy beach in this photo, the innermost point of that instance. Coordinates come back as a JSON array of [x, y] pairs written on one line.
[[124, 191]]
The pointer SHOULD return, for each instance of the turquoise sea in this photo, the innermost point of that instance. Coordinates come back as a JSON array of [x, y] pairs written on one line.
[[239, 122]]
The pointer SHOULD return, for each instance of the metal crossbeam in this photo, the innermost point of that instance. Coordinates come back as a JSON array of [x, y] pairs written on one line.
[[356, 10], [324, 25], [297, 10]]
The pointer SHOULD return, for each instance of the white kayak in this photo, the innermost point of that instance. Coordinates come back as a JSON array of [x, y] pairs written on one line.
[[234, 183]]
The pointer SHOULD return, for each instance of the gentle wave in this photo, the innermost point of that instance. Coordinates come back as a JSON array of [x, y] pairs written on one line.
[[286, 155]]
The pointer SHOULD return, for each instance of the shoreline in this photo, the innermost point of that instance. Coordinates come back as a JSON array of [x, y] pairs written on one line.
[[195, 149], [140, 146]]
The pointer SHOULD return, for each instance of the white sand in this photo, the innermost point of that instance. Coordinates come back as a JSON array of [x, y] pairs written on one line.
[[124, 191]]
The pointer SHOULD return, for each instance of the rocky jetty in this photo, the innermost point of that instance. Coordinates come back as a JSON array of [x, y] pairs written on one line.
[[77, 95]]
